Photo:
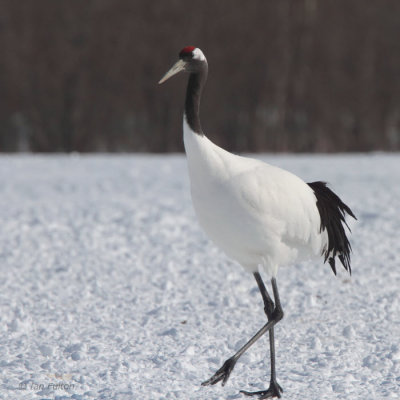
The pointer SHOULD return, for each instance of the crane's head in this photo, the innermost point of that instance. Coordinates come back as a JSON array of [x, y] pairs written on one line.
[[191, 59]]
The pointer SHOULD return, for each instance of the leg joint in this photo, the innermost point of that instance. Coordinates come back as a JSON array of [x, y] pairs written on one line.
[[277, 314]]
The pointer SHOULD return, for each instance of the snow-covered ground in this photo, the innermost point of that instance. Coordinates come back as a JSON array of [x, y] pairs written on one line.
[[109, 290]]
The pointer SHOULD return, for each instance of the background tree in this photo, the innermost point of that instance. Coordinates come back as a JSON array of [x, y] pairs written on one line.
[[288, 75]]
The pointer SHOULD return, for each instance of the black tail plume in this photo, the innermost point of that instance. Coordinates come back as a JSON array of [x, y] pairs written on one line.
[[332, 212]]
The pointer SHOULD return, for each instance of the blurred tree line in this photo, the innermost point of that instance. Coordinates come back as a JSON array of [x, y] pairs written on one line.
[[287, 75]]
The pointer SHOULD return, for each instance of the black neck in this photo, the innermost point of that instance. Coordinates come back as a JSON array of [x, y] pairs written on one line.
[[193, 94]]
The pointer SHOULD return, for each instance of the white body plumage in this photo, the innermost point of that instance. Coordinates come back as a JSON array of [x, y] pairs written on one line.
[[258, 214]]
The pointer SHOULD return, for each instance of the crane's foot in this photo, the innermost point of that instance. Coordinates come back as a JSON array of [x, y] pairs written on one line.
[[274, 390], [222, 374]]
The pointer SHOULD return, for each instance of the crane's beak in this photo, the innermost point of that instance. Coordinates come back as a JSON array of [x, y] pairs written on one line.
[[176, 68]]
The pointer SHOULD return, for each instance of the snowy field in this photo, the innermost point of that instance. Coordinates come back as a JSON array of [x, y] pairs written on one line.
[[109, 290]]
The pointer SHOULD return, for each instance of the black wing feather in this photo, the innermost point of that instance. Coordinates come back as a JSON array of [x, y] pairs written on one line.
[[332, 211]]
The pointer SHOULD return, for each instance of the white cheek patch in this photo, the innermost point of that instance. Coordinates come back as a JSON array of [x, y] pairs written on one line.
[[198, 54]]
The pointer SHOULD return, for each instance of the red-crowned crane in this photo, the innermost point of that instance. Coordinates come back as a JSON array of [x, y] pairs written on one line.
[[259, 215]]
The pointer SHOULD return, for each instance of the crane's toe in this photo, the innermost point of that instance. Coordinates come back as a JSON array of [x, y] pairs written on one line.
[[222, 374], [274, 390]]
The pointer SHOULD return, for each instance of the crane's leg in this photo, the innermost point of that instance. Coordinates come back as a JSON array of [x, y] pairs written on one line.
[[275, 316], [274, 389]]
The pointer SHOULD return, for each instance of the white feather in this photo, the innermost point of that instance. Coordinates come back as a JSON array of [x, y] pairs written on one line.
[[198, 54], [258, 214]]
